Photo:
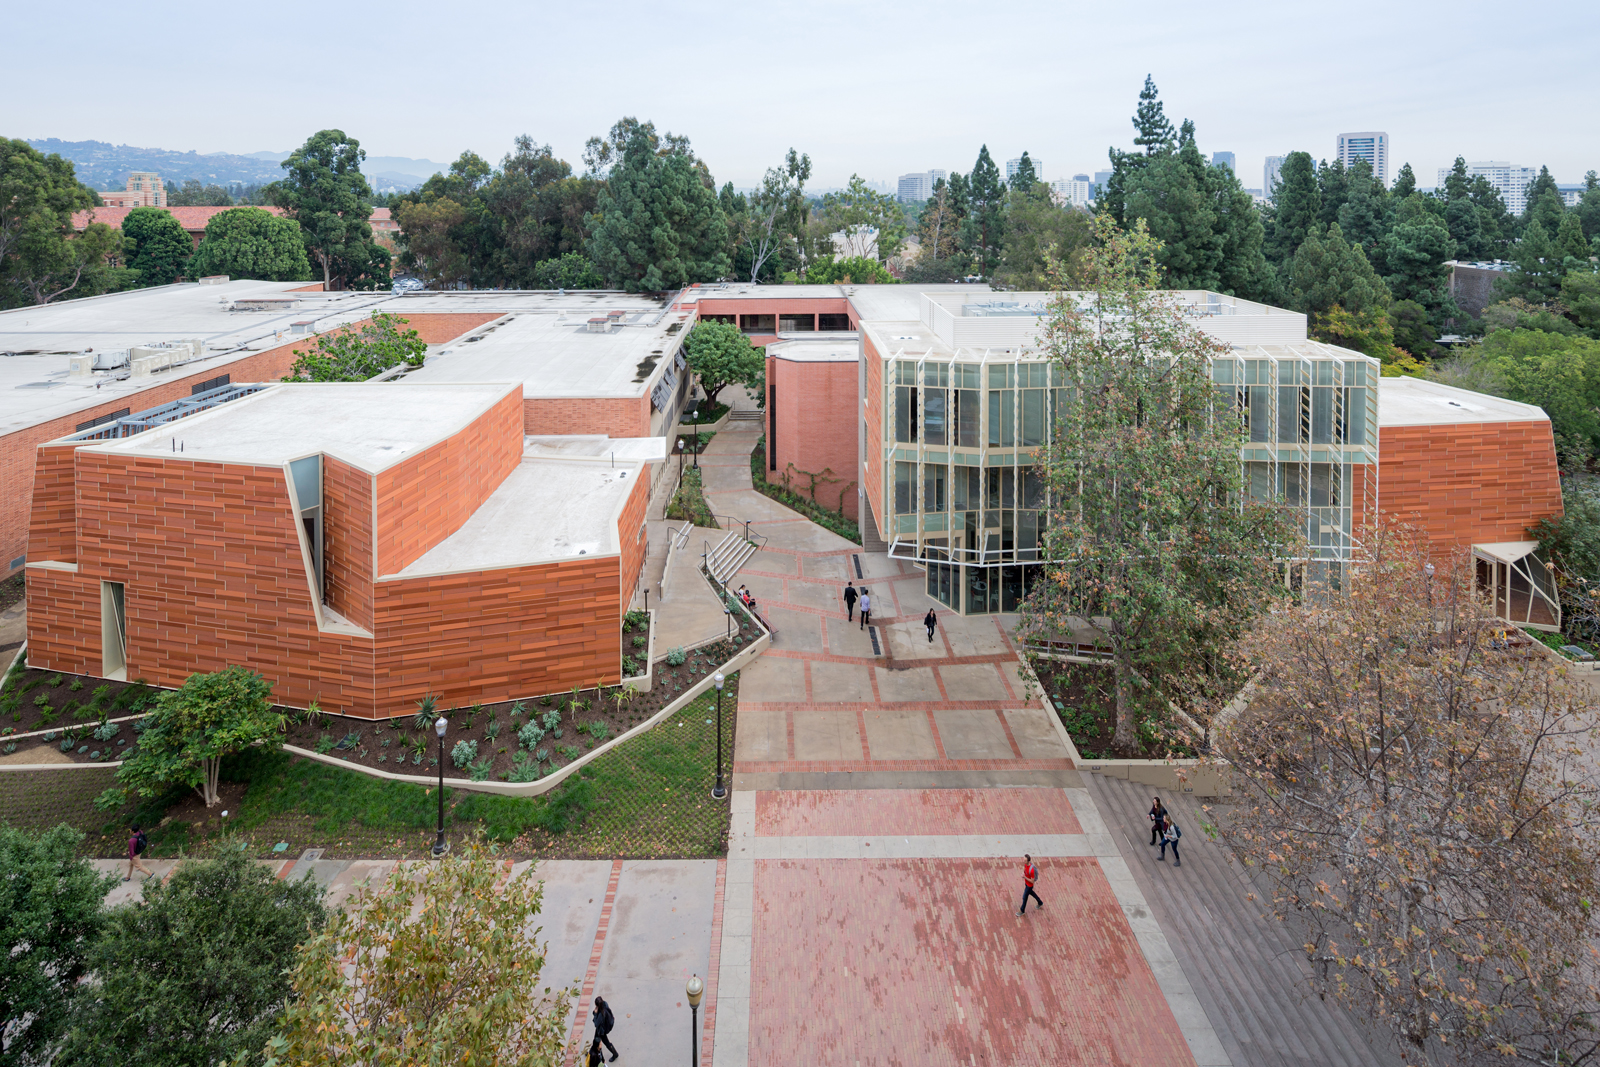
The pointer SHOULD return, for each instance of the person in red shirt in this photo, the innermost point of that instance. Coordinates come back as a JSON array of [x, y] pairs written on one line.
[[1030, 874]]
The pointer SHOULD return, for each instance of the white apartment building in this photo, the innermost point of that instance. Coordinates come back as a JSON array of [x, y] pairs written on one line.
[[1014, 165], [1370, 145], [1075, 190], [1509, 178], [917, 187]]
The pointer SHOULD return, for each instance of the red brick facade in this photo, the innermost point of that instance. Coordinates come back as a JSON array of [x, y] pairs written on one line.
[[813, 432], [210, 555], [626, 417], [872, 456], [17, 450], [1469, 483]]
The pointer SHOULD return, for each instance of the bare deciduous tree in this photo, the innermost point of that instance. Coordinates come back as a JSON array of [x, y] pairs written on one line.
[[1415, 779]]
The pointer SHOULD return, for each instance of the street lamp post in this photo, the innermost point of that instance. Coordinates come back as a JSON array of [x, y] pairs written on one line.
[[695, 411], [718, 792], [695, 989], [680, 459], [439, 847], [1427, 571]]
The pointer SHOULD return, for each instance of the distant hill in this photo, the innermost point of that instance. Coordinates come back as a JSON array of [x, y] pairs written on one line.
[[107, 166]]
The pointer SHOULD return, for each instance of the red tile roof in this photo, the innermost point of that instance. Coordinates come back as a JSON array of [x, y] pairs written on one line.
[[192, 219]]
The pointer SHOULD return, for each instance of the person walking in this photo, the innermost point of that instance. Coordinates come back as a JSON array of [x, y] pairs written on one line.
[[1030, 874], [137, 843], [930, 620], [850, 601], [604, 1020], [1169, 836], [1158, 817], [866, 608]]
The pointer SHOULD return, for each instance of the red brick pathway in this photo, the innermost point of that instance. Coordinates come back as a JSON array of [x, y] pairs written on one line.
[[913, 812], [923, 962]]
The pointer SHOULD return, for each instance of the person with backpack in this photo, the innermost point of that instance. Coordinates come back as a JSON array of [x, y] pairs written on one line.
[[1169, 836], [1030, 874], [137, 844], [1158, 818], [604, 1020]]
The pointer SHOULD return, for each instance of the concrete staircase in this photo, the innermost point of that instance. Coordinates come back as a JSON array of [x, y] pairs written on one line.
[[747, 417], [728, 556]]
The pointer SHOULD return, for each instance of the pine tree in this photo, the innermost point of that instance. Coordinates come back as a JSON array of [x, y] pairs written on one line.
[[1023, 179], [1327, 270], [1537, 189], [986, 216], [1333, 188], [1296, 204], [1155, 131], [1405, 183], [1589, 206]]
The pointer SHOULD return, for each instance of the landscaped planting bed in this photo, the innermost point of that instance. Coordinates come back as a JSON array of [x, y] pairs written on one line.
[[648, 797], [1085, 696], [70, 709], [513, 740]]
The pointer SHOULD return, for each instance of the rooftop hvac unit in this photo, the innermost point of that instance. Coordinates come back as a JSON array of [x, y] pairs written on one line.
[[214, 279], [616, 316], [599, 324], [303, 326]]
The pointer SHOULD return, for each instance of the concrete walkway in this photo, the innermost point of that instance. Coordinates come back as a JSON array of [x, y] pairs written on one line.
[[886, 787]]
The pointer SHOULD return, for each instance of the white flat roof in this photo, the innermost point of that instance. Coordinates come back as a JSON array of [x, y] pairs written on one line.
[[1415, 402], [821, 350], [36, 342], [596, 446], [369, 425], [551, 350], [545, 510]]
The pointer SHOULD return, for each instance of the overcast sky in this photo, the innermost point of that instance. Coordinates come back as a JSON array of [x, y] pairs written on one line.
[[878, 89]]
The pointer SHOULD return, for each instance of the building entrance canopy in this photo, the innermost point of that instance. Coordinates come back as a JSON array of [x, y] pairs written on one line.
[[1518, 583]]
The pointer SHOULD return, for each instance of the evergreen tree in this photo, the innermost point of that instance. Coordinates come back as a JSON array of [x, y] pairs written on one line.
[[1496, 226], [657, 224], [1589, 206], [247, 242], [156, 245], [1539, 269], [1333, 188], [1405, 183], [1363, 217], [326, 193], [1296, 206], [1570, 244], [1415, 253], [1545, 205], [1327, 270], [985, 220], [1024, 178], [1155, 130]]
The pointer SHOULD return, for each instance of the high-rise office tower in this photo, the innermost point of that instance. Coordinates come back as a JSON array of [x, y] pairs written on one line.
[[915, 187], [1224, 159], [1372, 146], [1269, 175]]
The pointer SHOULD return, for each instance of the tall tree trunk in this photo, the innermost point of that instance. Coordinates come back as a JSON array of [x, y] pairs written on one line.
[[1125, 739]]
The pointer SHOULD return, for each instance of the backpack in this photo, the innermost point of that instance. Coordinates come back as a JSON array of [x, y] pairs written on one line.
[[140, 843], [1176, 833]]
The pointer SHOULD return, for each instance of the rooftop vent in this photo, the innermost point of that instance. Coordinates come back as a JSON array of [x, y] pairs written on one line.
[[599, 324]]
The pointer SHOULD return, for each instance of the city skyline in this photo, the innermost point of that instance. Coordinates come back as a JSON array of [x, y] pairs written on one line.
[[500, 93]]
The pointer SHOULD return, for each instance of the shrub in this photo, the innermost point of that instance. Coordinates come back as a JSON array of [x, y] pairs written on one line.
[[324, 744], [636, 620], [464, 753], [630, 667], [640, 641], [676, 656], [552, 719], [530, 734], [541, 756], [41, 701], [480, 770], [519, 708], [77, 684], [55, 679], [99, 695], [492, 731], [107, 732], [11, 747], [524, 769], [425, 711]]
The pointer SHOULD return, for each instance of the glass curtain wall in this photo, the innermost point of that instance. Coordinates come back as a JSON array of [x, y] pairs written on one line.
[[968, 496]]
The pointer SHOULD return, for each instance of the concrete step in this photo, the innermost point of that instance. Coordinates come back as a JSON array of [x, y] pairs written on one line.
[[730, 554], [747, 415]]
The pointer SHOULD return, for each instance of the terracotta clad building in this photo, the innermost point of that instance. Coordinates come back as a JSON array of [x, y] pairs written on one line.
[[360, 545]]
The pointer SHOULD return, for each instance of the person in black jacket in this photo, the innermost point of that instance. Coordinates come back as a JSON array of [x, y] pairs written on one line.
[[604, 1020], [1158, 816], [850, 601]]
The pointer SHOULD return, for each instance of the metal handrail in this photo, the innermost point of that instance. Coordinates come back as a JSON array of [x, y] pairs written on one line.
[[746, 522]]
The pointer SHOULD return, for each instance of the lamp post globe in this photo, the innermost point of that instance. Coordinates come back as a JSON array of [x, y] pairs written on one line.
[[694, 989], [439, 846], [718, 791]]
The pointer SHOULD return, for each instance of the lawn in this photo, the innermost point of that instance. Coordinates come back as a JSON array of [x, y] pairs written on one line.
[[647, 798]]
